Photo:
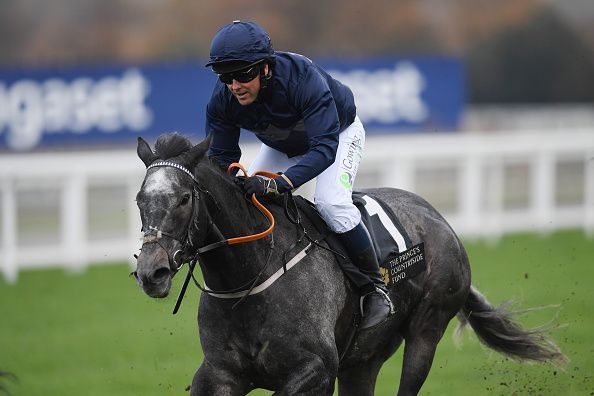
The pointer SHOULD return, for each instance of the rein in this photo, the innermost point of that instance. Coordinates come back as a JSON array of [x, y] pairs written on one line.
[[246, 238], [230, 241], [148, 238], [154, 234]]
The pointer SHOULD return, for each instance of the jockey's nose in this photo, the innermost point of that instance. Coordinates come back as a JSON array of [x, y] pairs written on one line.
[[236, 85]]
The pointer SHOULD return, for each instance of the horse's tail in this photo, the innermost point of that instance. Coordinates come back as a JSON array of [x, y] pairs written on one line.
[[496, 329]]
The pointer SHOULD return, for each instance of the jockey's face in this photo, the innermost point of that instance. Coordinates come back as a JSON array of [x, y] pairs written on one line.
[[246, 93]]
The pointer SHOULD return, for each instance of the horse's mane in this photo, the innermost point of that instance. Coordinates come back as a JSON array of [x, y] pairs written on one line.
[[171, 145]]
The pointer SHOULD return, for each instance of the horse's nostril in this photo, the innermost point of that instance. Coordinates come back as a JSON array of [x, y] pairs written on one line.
[[160, 275]]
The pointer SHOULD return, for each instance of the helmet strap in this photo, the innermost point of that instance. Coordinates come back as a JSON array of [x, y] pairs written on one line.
[[265, 78]]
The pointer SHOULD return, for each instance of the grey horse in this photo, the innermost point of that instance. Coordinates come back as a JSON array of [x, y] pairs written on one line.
[[297, 336]]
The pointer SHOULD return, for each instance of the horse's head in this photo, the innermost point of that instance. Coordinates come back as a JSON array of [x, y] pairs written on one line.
[[167, 200]]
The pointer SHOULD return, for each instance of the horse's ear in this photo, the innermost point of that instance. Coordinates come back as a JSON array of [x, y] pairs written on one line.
[[198, 152], [145, 153]]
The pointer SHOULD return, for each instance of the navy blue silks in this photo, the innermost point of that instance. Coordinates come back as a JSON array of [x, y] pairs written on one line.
[[300, 111]]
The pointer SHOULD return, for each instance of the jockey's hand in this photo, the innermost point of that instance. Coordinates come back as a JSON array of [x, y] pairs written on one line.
[[260, 185]]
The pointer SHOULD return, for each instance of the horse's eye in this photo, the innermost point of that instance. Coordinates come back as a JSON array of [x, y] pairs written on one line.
[[185, 199]]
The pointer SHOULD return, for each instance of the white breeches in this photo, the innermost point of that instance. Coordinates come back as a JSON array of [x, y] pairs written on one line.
[[334, 186]]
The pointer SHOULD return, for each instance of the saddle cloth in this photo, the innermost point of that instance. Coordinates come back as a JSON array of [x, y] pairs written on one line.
[[388, 236]]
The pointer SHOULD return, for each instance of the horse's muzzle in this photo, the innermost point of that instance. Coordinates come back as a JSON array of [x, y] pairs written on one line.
[[153, 273]]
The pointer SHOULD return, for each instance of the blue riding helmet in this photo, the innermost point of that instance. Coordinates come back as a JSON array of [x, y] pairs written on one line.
[[238, 45]]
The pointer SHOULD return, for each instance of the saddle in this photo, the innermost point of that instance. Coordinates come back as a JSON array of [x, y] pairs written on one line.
[[391, 242]]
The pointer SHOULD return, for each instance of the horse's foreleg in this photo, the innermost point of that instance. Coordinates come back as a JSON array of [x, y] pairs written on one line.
[[311, 377], [210, 381]]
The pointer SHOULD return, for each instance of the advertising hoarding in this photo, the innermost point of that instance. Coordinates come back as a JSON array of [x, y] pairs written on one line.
[[112, 105]]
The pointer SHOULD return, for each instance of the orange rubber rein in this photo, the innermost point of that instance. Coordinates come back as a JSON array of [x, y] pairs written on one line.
[[230, 241], [261, 208]]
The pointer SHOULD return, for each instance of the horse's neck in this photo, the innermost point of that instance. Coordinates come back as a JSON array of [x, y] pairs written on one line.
[[229, 267]]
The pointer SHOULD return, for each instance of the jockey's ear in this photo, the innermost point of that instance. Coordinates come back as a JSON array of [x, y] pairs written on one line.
[[145, 153], [198, 152]]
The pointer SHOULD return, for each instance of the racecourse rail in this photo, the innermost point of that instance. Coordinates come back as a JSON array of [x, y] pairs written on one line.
[[480, 164]]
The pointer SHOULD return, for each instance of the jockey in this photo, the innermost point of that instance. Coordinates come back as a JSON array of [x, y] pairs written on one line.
[[308, 126]]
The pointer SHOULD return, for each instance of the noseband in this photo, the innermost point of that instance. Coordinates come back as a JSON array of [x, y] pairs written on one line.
[[154, 235]]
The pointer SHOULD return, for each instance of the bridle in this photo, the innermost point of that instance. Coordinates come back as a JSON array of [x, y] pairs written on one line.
[[154, 234]]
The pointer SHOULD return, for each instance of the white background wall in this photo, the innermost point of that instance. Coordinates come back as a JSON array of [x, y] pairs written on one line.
[[76, 208]]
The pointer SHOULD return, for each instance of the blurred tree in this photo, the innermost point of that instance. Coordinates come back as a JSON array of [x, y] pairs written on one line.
[[516, 50], [540, 61], [9, 27]]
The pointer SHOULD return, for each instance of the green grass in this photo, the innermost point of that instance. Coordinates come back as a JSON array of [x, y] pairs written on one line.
[[96, 333]]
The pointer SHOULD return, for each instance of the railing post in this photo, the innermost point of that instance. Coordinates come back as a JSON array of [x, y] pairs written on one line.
[[469, 193], [9, 231], [74, 221], [543, 188], [494, 193], [589, 194], [400, 175]]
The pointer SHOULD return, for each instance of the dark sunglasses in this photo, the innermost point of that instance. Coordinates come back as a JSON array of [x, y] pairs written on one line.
[[241, 76]]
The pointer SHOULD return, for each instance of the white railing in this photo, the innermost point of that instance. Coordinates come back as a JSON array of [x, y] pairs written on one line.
[[478, 163]]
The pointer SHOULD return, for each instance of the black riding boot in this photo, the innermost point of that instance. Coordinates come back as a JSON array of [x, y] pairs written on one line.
[[375, 302]]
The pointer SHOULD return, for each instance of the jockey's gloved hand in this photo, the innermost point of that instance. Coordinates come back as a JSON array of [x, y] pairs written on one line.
[[260, 185]]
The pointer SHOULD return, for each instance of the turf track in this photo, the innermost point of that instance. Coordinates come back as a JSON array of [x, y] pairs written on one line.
[[96, 333]]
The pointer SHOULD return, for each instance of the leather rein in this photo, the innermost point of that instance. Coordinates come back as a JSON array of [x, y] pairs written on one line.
[[153, 234]]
